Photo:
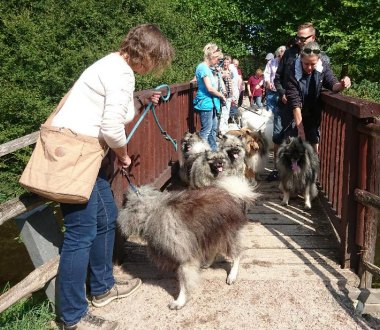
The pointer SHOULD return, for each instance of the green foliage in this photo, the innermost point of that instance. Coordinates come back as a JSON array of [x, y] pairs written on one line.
[[33, 314], [46, 44], [365, 89]]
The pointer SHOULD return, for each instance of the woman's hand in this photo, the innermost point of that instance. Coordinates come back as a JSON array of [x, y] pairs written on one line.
[[148, 97], [301, 131], [155, 97], [124, 161], [122, 156], [345, 82]]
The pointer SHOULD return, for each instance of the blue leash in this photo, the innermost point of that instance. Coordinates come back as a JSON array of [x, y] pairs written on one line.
[[150, 106]]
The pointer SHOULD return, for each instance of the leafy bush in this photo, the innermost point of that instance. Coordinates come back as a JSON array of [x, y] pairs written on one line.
[[365, 89]]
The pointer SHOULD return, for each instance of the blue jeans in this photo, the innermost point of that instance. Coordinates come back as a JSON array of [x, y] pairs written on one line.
[[209, 127], [257, 100], [272, 105], [272, 100], [88, 245]]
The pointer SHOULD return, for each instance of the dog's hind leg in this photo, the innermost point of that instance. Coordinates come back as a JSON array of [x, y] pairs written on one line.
[[231, 278], [188, 277], [307, 198]]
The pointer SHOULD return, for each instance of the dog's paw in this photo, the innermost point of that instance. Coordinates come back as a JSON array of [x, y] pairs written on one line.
[[175, 305], [283, 203], [307, 206], [231, 279]]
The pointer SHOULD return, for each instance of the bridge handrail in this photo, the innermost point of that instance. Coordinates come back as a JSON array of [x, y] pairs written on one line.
[[350, 164]]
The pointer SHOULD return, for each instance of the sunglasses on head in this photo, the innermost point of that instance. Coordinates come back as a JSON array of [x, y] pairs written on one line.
[[303, 39], [308, 51]]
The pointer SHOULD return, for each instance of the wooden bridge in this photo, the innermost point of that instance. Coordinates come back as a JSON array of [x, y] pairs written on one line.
[[300, 269], [290, 278]]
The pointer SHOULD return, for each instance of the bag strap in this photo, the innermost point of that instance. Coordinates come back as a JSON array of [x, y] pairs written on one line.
[[56, 110]]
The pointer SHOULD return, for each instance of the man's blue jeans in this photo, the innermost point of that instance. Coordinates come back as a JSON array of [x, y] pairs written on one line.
[[88, 246], [272, 105], [209, 127]]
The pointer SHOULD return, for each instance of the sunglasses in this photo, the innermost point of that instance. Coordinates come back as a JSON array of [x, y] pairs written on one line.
[[303, 39], [309, 51]]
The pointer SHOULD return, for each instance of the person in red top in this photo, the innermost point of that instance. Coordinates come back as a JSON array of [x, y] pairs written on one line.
[[255, 88]]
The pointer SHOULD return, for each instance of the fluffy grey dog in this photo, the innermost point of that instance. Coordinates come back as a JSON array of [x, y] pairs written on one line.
[[192, 146], [234, 148], [187, 229], [298, 166], [209, 166]]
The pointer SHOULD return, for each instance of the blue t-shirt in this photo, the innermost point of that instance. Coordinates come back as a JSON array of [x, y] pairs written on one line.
[[204, 100]]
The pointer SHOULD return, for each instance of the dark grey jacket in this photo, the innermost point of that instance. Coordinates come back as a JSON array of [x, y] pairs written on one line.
[[284, 69], [324, 78]]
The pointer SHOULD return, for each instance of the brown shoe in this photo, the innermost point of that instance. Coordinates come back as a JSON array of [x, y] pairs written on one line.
[[92, 322], [119, 290]]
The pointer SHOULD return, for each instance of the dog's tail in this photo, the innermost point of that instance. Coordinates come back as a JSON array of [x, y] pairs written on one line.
[[238, 187]]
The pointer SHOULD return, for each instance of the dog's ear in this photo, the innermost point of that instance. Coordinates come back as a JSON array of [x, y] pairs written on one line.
[[288, 140]]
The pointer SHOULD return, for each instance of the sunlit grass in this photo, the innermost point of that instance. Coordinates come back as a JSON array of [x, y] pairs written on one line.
[[34, 313]]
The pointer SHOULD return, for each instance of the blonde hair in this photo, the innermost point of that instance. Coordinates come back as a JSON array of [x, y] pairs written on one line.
[[146, 45], [210, 49]]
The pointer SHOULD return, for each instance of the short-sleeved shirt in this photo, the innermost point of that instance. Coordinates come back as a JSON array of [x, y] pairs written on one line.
[[204, 100]]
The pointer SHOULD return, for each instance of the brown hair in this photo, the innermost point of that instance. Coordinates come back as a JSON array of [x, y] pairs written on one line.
[[259, 72], [146, 45], [307, 25]]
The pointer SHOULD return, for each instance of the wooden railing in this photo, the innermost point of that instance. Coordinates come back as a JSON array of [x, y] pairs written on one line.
[[350, 163]]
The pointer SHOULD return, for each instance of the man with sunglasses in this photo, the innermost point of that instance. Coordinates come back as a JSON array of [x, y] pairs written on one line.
[[309, 74], [305, 34]]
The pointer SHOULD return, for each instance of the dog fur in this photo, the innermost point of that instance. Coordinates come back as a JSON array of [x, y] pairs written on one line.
[[298, 166], [256, 151], [192, 146], [209, 166], [234, 148], [187, 229]]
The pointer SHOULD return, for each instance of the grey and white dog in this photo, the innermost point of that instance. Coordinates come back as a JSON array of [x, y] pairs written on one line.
[[234, 148], [298, 166], [207, 168], [188, 229], [192, 146]]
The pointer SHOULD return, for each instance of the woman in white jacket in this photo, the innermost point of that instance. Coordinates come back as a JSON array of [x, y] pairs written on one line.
[[99, 105]]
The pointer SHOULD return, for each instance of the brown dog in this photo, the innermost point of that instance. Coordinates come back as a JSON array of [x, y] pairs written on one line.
[[256, 151]]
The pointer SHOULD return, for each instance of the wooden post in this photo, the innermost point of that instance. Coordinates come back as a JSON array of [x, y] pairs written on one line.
[[43, 238]]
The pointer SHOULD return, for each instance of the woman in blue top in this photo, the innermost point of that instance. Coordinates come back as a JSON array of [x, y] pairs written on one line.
[[207, 100]]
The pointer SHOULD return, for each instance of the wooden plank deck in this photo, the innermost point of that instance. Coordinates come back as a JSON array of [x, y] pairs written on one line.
[[289, 278]]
